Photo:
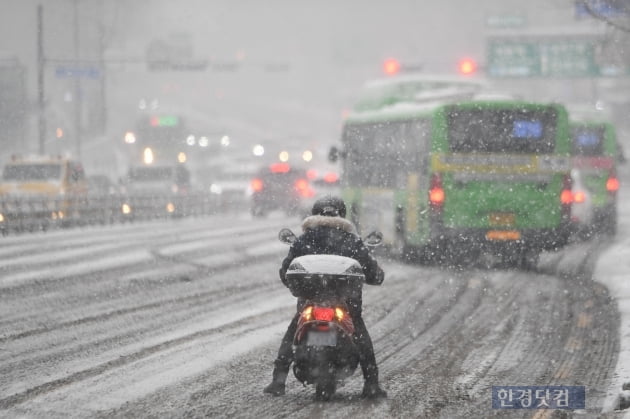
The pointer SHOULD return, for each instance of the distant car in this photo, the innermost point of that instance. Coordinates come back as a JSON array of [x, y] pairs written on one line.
[[280, 187], [595, 155], [154, 191], [230, 185]]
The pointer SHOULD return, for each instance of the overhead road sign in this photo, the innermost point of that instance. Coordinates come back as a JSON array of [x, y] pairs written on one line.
[[73, 71], [542, 57]]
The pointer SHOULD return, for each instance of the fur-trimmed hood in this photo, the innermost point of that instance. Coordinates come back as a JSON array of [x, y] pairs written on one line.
[[314, 221]]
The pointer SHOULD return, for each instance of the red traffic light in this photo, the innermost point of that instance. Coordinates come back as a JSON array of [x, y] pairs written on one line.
[[391, 66], [467, 66]]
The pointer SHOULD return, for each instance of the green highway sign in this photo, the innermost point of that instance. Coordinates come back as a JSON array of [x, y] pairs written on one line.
[[513, 58], [568, 58], [551, 57]]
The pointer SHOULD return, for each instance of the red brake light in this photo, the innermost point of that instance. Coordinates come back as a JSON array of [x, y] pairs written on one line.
[[257, 185], [331, 177], [566, 197], [280, 168], [304, 188], [612, 184], [301, 184], [325, 314], [311, 174], [436, 192]]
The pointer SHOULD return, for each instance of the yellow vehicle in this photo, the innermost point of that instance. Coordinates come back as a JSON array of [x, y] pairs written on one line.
[[36, 191]]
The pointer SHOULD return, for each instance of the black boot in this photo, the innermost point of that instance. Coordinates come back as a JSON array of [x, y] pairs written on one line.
[[371, 389], [280, 373]]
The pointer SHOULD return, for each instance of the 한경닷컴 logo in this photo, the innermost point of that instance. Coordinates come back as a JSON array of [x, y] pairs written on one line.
[[538, 397]]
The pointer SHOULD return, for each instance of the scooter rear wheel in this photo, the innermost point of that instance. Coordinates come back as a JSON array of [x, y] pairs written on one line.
[[324, 391]]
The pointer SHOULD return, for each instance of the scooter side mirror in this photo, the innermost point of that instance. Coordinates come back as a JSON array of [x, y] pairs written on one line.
[[286, 236], [375, 238]]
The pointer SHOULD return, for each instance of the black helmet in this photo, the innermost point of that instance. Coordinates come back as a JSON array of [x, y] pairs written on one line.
[[330, 206]]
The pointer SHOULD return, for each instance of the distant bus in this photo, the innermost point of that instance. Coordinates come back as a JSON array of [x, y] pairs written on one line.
[[455, 179], [158, 139], [595, 154]]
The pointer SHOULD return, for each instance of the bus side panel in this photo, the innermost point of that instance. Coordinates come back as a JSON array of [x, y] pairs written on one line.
[[415, 222]]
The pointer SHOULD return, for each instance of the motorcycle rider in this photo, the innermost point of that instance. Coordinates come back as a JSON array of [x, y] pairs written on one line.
[[327, 231]]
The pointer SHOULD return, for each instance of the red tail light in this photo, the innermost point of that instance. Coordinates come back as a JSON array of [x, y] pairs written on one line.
[[436, 191], [325, 314], [331, 177], [301, 184], [566, 197], [303, 188], [612, 184], [257, 185], [280, 168]]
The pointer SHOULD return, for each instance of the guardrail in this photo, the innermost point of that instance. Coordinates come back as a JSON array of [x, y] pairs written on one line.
[[39, 214]]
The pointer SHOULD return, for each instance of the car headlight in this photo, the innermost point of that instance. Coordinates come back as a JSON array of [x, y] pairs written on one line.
[[126, 209]]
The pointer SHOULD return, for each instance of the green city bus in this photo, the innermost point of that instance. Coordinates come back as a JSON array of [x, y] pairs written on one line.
[[595, 154], [449, 180]]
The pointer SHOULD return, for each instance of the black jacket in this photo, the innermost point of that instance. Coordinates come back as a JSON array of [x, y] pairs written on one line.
[[333, 236]]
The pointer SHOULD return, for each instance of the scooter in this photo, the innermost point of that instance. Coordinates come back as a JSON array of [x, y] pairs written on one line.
[[323, 347]]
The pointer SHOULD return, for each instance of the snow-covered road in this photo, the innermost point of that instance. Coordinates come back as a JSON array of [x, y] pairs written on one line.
[[183, 318]]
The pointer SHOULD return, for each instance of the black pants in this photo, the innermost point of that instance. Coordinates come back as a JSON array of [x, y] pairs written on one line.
[[361, 338]]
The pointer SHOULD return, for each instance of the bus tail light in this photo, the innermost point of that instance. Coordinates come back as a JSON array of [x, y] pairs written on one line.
[[612, 184], [436, 192]]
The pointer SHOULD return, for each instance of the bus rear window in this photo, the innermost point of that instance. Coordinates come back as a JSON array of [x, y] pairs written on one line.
[[32, 172], [587, 141], [491, 130]]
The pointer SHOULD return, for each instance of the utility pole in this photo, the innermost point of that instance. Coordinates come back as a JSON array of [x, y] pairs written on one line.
[[77, 84], [103, 89], [41, 106]]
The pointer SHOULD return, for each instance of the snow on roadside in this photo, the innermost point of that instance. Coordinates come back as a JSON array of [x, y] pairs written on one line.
[[613, 271]]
